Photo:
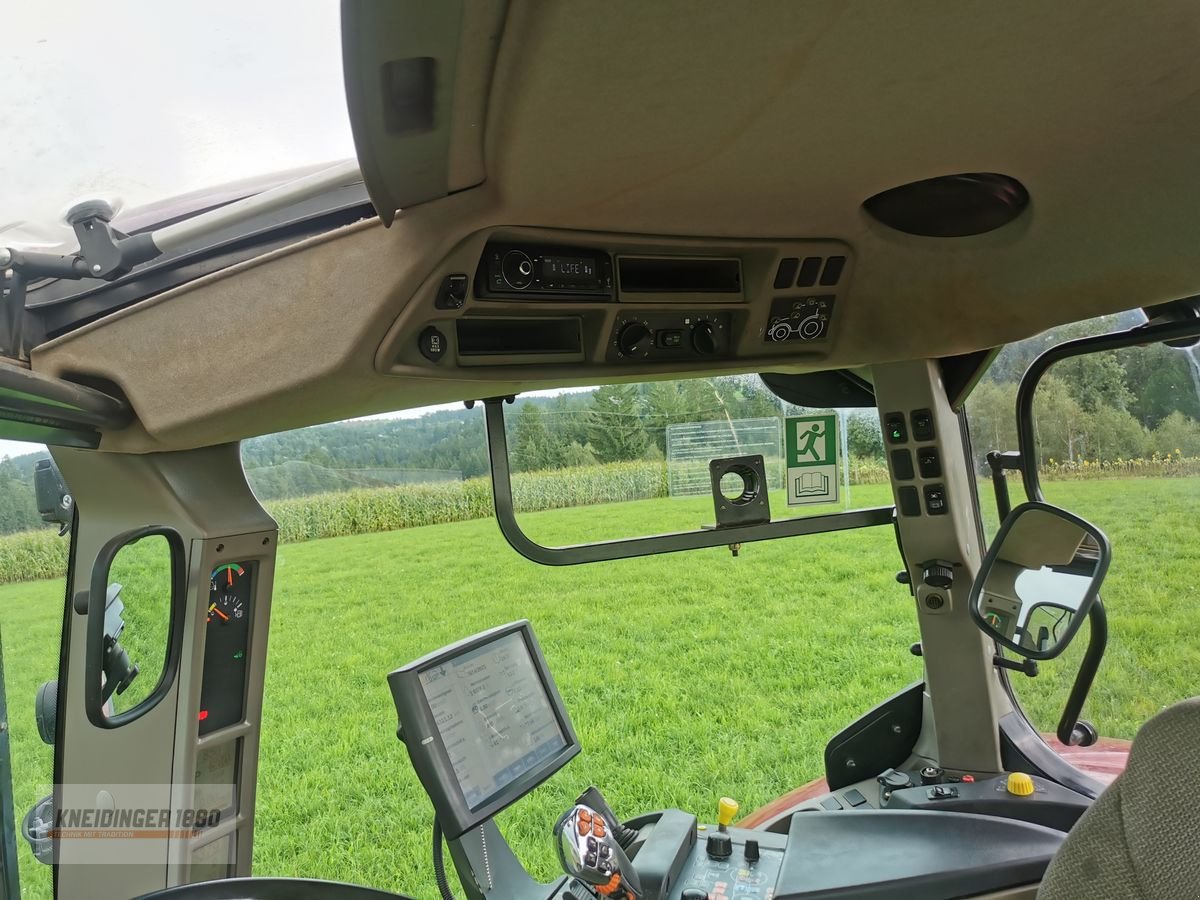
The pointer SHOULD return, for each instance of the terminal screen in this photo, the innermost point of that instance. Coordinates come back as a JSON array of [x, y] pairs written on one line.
[[493, 715]]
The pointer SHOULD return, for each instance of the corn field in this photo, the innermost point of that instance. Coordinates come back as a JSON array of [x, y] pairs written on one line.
[[33, 555]]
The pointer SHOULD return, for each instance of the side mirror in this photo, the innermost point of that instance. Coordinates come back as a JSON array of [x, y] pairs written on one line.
[[54, 501], [1039, 579]]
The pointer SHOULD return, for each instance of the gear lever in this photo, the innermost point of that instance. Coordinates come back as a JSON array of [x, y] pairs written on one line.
[[588, 851]]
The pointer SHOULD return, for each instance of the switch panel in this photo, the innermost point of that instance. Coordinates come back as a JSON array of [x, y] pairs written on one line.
[[800, 318], [670, 336]]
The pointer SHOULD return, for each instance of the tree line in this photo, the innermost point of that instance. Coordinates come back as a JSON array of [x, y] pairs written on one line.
[[1117, 405], [1123, 404]]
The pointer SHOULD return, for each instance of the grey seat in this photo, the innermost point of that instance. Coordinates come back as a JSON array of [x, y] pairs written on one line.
[[1140, 840]]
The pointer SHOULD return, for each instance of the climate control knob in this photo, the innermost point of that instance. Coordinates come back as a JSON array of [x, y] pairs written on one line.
[[633, 339], [704, 341]]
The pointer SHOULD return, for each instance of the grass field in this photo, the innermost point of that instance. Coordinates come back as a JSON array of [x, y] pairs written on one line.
[[687, 676]]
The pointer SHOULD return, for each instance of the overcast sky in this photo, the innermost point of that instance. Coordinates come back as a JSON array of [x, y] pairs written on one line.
[[145, 99], [140, 100]]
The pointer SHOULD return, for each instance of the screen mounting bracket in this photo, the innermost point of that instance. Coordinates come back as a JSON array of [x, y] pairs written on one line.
[[627, 548]]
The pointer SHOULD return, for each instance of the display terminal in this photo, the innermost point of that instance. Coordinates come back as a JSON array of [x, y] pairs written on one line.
[[483, 724]]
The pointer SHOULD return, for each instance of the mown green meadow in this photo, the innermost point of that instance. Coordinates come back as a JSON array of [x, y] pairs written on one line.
[[688, 676]]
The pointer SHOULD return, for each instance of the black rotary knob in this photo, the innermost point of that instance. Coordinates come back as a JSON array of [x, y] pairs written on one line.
[[939, 574], [633, 338], [719, 845], [704, 341]]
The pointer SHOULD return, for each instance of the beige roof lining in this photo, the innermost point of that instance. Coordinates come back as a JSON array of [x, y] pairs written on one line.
[[681, 121]]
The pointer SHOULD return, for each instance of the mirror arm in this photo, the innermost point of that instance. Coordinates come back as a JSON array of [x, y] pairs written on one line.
[[1000, 462], [1073, 731], [1028, 666]]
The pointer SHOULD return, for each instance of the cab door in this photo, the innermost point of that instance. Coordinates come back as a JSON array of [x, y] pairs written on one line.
[[148, 793]]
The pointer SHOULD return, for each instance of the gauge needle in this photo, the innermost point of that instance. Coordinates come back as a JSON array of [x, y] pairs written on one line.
[[221, 614], [229, 572]]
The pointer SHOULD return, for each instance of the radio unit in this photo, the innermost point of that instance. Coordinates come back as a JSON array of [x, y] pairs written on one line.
[[509, 270]]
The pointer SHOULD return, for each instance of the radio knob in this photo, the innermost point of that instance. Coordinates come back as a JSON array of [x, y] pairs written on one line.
[[518, 269], [633, 338], [704, 341]]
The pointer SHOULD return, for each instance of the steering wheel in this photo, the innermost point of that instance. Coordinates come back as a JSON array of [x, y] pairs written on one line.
[[272, 889]]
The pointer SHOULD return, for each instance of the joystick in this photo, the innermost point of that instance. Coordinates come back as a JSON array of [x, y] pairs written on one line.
[[719, 844], [588, 851]]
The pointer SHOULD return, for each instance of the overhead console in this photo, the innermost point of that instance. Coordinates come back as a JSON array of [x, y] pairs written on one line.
[[531, 297]]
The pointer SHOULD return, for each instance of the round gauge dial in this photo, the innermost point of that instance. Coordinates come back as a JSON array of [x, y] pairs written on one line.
[[226, 601]]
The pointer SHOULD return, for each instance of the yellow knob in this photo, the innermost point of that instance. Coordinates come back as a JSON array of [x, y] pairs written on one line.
[[726, 810], [1020, 784]]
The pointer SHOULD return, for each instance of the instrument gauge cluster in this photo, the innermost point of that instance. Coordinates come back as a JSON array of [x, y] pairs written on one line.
[[227, 632]]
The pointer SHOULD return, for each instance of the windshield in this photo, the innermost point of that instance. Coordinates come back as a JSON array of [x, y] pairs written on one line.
[[141, 100]]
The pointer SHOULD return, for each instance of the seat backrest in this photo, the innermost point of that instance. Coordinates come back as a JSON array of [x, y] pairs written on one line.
[[1140, 840]]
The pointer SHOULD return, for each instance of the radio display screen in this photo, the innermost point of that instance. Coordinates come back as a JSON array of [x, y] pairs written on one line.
[[570, 270]]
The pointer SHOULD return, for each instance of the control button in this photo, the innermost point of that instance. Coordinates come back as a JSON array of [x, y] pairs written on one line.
[[633, 338], [932, 775], [929, 462], [831, 803], [432, 344], [809, 269], [910, 501], [1020, 784], [719, 845], [704, 341], [942, 792], [453, 292], [694, 894], [854, 797], [669, 338], [785, 275], [935, 499], [902, 466], [517, 268], [833, 270], [893, 428], [922, 424], [752, 854]]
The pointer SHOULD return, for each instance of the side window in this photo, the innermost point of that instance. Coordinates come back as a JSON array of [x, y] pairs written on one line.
[[137, 622], [1118, 437], [33, 561]]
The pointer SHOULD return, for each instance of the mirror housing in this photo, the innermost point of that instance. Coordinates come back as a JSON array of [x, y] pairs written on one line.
[[1039, 580]]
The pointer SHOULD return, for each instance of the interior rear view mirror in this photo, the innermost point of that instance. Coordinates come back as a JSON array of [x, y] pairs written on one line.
[[1039, 579]]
